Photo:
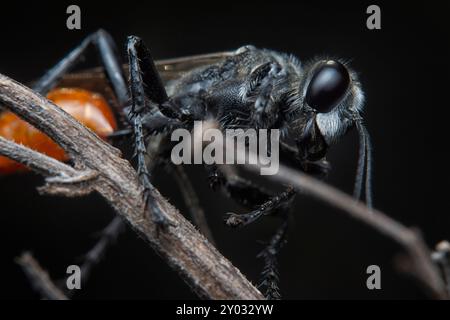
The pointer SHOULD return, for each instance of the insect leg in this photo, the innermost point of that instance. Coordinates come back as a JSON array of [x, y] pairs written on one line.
[[110, 60], [141, 62], [247, 194], [268, 207], [144, 175], [144, 104], [154, 123], [241, 190], [105, 46], [270, 275]]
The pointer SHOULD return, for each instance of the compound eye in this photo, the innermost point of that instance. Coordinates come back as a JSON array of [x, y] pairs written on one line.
[[327, 86]]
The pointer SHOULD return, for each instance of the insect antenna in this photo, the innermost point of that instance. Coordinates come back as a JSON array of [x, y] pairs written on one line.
[[364, 169]]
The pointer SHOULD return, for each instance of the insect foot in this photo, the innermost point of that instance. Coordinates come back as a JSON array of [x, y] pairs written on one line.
[[268, 207], [235, 220], [162, 223], [269, 276]]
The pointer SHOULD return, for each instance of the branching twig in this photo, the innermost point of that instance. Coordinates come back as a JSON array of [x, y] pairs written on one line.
[[99, 167], [421, 265], [37, 161], [39, 278], [419, 256]]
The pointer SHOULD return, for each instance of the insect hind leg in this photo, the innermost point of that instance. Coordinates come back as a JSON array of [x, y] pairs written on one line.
[[110, 60], [106, 49]]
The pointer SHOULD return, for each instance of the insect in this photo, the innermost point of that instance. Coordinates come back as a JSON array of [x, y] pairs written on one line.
[[313, 105], [88, 107]]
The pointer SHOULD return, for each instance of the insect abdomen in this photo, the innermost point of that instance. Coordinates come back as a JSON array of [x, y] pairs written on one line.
[[88, 107]]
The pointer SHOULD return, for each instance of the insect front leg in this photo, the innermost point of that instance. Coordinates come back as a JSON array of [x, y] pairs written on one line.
[[144, 175], [147, 92], [106, 49]]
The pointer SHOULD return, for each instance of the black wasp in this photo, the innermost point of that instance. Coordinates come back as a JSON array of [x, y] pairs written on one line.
[[313, 105]]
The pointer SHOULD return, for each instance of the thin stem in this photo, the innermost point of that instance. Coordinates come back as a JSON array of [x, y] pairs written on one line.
[[97, 252], [39, 278], [38, 162], [419, 255]]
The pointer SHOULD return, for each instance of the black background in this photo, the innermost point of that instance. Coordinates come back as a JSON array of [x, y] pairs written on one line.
[[404, 69]]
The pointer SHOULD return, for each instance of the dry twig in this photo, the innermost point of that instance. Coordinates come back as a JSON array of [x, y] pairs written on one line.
[[419, 256], [99, 167], [39, 278]]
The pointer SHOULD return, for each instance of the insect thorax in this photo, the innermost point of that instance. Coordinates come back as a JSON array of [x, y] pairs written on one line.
[[229, 89]]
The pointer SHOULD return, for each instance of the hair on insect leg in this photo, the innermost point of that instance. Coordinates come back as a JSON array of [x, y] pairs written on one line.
[[241, 190], [270, 275], [143, 77], [268, 207], [105, 47], [248, 194]]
